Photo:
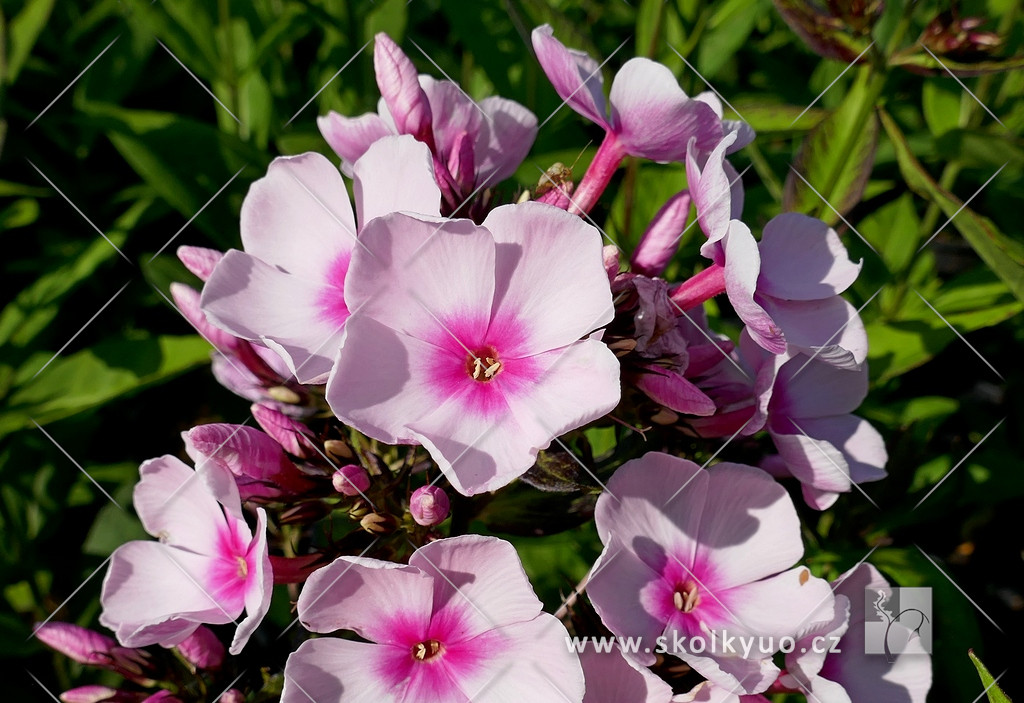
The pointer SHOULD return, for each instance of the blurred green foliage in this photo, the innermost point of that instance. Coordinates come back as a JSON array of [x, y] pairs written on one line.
[[140, 153]]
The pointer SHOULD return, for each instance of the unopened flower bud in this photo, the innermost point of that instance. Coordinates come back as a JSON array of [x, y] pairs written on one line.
[[202, 649], [283, 394], [78, 643], [100, 694], [232, 695], [429, 505], [378, 524], [358, 509], [338, 449], [351, 480]]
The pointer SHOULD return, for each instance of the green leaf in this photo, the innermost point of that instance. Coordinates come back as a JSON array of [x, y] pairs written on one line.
[[941, 104], [995, 694], [390, 17], [766, 117], [836, 159], [978, 149], [186, 162], [20, 213], [971, 301], [114, 525], [23, 32], [728, 29], [1002, 254], [93, 377], [34, 307]]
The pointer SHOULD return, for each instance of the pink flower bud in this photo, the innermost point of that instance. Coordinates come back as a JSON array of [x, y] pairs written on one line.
[[429, 505], [399, 85], [202, 649], [199, 260], [162, 697], [232, 695], [100, 694], [661, 239], [294, 437], [78, 643], [351, 480]]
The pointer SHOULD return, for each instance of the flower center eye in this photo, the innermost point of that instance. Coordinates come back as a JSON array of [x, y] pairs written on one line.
[[483, 365], [686, 598], [426, 650], [243, 567]]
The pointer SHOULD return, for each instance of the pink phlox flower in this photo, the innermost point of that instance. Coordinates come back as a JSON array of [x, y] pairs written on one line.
[[850, 675], [207, 567], [693, 554], [286, 290], [474, 144], [460, 623], [650, 115], [472, 340], [807, 406]]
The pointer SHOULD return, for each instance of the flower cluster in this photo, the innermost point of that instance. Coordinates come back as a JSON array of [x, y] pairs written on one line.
[[434, 333]]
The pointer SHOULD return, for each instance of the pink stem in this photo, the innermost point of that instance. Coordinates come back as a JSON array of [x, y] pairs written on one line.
[[704, 286], [608, 157]]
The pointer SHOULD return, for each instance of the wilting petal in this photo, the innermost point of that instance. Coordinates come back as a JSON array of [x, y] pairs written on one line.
[[575, 76], [802, 258], [395, 174], [474, 599], [382, 601], [652, 116], [537, 245], [350, 137]]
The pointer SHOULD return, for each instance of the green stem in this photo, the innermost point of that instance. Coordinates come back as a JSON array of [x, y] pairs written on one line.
[[764, 171]]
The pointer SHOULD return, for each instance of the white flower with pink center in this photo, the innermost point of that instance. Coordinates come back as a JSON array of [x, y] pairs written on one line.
[[460, 623], [208, 567], [286, 290], [694, 556], [474, 340]]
